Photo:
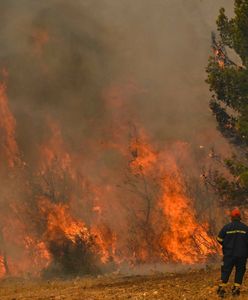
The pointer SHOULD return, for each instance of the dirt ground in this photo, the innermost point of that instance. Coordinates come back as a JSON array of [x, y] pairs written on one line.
[[199, 284]]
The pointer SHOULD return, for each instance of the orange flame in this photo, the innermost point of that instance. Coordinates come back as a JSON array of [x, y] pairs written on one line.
[[106, 241], [166, 225], [219, 57], [7, 127], [59, 220], [54, 149], [2, 268], [144, 157], [186, 240]]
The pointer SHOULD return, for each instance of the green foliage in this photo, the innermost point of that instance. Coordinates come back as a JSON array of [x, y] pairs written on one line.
[[244, 179], [228, 81], [235, 166], [231, 192], [234, 32], [242, 123]]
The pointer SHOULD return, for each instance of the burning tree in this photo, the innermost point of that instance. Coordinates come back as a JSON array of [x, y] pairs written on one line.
[[228, 82], [142, 183], [61, 209], [162, 220], [37, 230], [57, 219], [55, 186]]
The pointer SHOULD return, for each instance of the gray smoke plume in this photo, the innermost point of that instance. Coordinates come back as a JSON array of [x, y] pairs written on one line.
[[161, 45], [92, 65]]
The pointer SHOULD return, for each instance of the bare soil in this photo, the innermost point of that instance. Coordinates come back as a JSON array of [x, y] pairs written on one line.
[[199, 284]]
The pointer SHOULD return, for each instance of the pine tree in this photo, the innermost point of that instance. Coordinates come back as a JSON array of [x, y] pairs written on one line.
[[228, 81]]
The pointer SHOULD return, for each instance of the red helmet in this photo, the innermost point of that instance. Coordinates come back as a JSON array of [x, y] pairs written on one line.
[[235, 213]]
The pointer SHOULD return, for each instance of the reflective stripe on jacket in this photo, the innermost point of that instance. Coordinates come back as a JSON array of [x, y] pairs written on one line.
[[234, 239]]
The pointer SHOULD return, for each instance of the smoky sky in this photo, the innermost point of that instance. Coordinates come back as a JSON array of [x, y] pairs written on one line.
[[61, 56]]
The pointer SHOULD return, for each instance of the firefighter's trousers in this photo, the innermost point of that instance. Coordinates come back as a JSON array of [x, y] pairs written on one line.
[[229, 262]]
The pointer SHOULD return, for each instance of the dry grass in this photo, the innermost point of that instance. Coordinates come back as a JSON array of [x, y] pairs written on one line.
[[191, 285]]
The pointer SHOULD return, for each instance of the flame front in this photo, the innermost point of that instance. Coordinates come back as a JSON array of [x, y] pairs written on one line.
[[186, 240], [138, 213]]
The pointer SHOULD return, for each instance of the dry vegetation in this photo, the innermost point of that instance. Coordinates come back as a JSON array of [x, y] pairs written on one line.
[[191, 285]]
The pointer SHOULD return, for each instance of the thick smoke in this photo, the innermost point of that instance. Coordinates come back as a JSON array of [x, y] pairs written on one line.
[[93, 66], [161, 45]]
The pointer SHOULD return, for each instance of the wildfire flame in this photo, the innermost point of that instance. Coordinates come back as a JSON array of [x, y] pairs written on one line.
[[7, 127], [186, 240], [59, 220], [156, 220], [220, 58]]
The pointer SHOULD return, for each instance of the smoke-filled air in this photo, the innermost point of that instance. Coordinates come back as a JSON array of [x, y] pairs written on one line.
[[105, 133]]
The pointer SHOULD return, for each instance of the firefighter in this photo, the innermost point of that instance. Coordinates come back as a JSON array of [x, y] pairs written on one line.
[[234, 240]]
